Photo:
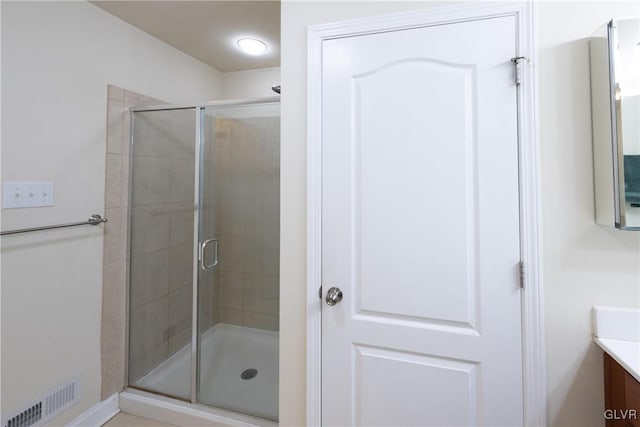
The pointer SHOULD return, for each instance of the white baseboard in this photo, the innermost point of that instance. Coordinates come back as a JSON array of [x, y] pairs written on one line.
[[99, 413], [163, 409]]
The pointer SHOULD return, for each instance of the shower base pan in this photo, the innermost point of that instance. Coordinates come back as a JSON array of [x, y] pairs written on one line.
[[239, 371]]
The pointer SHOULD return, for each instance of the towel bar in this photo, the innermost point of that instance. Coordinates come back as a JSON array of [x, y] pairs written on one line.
[[94, 219]]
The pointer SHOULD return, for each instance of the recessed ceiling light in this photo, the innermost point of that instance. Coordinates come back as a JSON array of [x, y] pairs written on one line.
[[252, 46]]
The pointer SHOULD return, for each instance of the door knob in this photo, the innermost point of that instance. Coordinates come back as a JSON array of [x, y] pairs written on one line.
[[334, 296]]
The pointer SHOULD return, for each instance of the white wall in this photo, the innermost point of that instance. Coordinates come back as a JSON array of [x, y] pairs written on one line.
[[250, 83], [584, 264], [57, 59]]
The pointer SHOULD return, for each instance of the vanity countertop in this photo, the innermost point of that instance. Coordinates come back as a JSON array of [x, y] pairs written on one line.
[[617, 331], [626, 353]]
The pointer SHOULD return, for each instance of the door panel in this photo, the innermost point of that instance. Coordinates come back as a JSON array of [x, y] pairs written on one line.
[[380, 234], [380, 370], [421, 227], [161, 260]]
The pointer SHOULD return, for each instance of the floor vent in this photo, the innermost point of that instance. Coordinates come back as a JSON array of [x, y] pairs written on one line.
[[47, 407]]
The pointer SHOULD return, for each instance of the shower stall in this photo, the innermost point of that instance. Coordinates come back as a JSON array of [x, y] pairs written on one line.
[[203, 254]]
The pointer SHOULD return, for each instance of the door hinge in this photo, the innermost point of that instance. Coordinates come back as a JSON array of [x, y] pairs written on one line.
[[518, 68], [521, 270], [320, 292]]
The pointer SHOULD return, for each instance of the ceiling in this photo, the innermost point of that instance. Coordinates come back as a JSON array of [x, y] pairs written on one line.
[[207, 30]]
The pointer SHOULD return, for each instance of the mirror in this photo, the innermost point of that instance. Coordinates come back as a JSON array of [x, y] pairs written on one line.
[[615, 108]]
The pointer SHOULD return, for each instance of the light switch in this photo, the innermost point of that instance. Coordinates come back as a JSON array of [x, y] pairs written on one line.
[[19, 194]]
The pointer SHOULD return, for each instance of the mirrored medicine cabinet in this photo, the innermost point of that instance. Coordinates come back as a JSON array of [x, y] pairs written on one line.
[[614, 51]]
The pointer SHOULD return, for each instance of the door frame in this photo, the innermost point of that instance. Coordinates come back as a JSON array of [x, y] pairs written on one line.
[[534, 386]]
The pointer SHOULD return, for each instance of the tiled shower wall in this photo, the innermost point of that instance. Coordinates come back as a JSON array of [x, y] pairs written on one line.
[[113, 346], [247, 199]]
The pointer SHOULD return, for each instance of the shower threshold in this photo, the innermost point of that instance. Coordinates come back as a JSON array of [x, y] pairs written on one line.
[[238, 371]]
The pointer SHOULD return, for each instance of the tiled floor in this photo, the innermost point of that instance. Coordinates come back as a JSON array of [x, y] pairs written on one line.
[[126, 420]]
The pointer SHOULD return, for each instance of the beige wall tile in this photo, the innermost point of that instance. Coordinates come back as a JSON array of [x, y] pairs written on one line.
[[180, 309], [254, 255], [115, 93], [115, 126], [137, 322], [182, 223], [208, 299], [232, 253], [230, 316], [114, 236], [156, 356], [260, 321], [271, 256], [113, 187], [149, 276], [179, 341], [152, 137], [125, 144], [254, 218], [137, 369], [132, 98], [156, 315], [182, 174], [247, 193], [232, 219], [230, 290], [151, 228], [124, 181], [208, 215], [151, 180], [271, 211], [254, 299], [181, 131], [205, 310], [113, 303], [271, 287], [180, 266], [137, 99], [112, 369], [113, 328]]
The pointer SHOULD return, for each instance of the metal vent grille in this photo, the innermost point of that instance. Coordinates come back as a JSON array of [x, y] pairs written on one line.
[[27, 417], [60, 399], [47, 407]]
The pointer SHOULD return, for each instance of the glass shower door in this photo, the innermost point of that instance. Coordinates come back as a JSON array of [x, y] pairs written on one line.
[[239, 265], [204, 255], [161, 251]]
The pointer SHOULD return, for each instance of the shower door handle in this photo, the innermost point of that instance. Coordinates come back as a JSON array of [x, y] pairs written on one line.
[[203, 246]]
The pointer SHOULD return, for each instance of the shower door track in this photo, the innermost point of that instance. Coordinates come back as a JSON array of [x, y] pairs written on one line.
[[229, 103], [198, 178]]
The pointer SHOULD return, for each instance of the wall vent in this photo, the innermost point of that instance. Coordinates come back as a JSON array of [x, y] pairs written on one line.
[[47, 407], [26, 418]]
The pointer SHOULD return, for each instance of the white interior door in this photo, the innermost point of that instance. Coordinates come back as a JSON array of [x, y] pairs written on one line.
[[420, 227]]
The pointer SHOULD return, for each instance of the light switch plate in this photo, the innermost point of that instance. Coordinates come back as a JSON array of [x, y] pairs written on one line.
[[20, 194]]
